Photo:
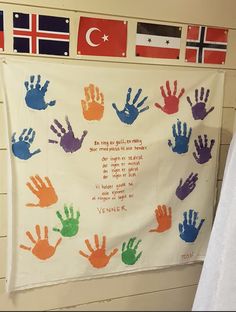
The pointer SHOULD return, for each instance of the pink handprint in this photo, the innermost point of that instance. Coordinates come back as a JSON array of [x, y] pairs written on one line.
[[171, 101]]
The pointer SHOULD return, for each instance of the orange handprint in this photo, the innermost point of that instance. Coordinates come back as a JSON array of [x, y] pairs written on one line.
[[93, 105], [42, 250], [45, 193], [163, 219], [98, 257]]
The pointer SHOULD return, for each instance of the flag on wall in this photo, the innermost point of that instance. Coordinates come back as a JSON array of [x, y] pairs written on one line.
[[102, 37], [159, 41], [206, 45], [1, 32], [41, 34]]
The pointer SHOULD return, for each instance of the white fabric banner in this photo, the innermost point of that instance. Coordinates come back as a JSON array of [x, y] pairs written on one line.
[[113, 168], [217, 284]]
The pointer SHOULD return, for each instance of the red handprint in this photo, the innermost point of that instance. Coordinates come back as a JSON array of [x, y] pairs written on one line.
[[98, 257], [171, 101]]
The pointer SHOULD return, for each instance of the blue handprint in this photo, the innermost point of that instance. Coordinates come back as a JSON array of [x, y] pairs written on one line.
[[21, 148], [188, 230], [130, 111], [181, 138], [35, 94]]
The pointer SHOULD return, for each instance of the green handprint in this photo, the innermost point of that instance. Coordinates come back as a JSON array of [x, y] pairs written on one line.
[[129, 255], [70, 225]]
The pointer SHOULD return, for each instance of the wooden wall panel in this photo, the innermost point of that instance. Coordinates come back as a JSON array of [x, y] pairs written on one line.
[[82, 292], [166, 300]]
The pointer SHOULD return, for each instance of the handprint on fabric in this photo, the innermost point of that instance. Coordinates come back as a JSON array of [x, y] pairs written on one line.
[[129, 252], [67, 139], [171, 101], [203, 154], [35, 95], [199, 108], [181, 138], [42, 249], [163, 218], [93, 105], [21, 146], [98, 257], [184, 189], [131, 110], [70, 224], [188, 230], [44, 191]]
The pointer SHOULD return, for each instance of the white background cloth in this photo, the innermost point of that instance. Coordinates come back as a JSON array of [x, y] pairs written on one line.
[[78, 177], [217, 286]]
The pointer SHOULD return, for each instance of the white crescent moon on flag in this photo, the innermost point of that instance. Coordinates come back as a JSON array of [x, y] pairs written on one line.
[[88, 34]]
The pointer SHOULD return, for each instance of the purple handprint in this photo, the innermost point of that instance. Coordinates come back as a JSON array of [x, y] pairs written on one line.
[[184, 189], [199, 108], [203, 150], [68, 142]]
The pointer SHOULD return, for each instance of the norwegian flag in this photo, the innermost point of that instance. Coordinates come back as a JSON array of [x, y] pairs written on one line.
[[41, 34], [206, 45], [1, 32]]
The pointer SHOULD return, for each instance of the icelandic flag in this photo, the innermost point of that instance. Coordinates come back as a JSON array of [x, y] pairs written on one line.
[[41, 34]]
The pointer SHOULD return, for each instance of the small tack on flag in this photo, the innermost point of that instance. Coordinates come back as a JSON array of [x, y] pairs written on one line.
[[206, 45], [41, 34], [1, 32], [158, 41], [102, 37]]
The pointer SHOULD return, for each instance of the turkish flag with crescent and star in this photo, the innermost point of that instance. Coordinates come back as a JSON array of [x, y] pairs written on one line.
[[102, 37]]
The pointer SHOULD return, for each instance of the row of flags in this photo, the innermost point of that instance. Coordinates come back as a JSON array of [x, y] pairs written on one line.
[[50, 35]]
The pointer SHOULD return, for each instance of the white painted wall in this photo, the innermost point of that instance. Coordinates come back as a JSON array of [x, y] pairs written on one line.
[[169, 289]]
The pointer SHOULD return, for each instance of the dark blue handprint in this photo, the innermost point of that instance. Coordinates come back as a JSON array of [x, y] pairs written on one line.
[[35, 94], [188, 230], [181, 138], [130, 111], [203, 154], [21, 147]]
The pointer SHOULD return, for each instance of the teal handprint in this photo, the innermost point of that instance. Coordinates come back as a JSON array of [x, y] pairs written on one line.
[[35, 95], [131, 110], [129, 253], [70, 225], [181, 138], [21, 146]]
